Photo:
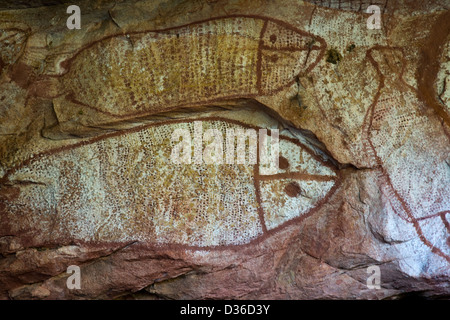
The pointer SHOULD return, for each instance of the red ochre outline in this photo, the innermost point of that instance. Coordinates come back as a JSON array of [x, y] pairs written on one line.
[[442, 215], [66, 64], [370, 150], [444, 220], [258, 239]]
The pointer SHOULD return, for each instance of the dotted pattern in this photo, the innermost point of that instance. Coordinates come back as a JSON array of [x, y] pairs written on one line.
[[150, 72], [124, 187], [395, 139], [350, 5], [400, 134], [392, 120], [279, 207]]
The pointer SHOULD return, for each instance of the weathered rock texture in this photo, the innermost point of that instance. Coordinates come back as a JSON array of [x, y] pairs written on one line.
[[87, 178]]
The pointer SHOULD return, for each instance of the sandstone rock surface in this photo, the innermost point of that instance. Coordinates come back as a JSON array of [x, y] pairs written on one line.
[[90, 119]]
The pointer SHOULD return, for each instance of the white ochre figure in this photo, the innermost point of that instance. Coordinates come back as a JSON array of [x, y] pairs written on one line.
[[123, 186], [399, 133]]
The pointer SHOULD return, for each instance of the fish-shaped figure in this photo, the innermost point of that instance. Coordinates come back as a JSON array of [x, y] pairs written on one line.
[[222, 58], [399, 135], [124, 186]]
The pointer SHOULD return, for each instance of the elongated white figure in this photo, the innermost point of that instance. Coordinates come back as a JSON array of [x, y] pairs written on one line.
[[124, 187]]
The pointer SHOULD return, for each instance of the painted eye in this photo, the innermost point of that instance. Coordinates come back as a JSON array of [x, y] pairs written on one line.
[[273, 38], [283, 163], [293, 189]]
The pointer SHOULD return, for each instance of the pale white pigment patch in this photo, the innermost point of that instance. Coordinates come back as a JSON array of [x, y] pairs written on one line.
[[280, 207], [126, 188]]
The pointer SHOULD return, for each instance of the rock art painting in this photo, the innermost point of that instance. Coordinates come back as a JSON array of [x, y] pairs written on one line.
[[87, 124], [124, 187], [216, 59], [418, 196], [353, 5]]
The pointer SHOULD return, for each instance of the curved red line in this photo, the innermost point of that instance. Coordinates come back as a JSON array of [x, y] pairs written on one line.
[[373, 153], [68, 64], [258, 239]]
